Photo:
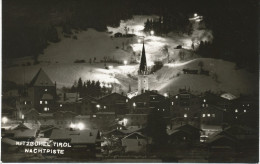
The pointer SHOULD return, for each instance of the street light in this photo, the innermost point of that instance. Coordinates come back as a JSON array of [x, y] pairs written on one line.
[[4, 120], [195, 14], [81, 126], [125, 62], [152, 32]]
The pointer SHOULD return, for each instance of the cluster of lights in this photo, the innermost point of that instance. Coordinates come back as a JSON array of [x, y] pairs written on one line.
[[79, 126], [4, 120]]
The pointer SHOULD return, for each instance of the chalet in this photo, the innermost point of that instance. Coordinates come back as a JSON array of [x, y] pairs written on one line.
[[23, 135], [114, 102], [180, 137], [84, 143], [42, 92], [135, 142], [217, 100], [185, 105], [90, 105], [143, 103], [212, 119], [194, 132]]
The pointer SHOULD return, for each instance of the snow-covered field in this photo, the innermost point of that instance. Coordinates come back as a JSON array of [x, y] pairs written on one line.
[[58, 62]]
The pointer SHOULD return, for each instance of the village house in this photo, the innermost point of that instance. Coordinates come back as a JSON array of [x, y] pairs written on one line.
[[114, 102], [41, 94], [143, 103], [90, 105], [135, 142], [84, 143], [185, 105], [192, 134]]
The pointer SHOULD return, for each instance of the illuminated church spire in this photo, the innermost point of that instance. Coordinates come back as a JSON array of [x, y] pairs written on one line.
[[143, 65], [143, 74]]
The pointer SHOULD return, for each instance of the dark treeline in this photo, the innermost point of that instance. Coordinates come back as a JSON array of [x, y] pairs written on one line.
[[90, 88], [28, 25]]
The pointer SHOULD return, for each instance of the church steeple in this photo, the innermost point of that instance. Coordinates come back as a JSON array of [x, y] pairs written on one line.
[[143, 65]]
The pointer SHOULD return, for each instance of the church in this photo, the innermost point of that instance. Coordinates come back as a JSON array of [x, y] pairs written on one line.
[[143, 74]]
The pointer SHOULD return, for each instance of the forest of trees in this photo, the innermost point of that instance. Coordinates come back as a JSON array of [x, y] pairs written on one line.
[[90, 88], [168, 23]]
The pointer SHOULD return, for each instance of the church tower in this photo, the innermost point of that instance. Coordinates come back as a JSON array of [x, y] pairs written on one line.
[[142, 74]]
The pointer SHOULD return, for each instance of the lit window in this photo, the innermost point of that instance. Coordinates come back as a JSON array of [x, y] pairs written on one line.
[[247, 104], [213, 115], [153, 98], [208, 115], [203, 105], [134, 105], [172, 103], [126, 100], [46, 90], [236, 117], [98, 106], [158, 109], [94, 116], [176, 97], [25, 102], [204, 100], [40, 102], [245, 111], [207, 105], [46, 102], [45, 109], [236, 110], [105, 107], [243, 105], [60, 105], [185, 115], [163, 109], [203, 115]]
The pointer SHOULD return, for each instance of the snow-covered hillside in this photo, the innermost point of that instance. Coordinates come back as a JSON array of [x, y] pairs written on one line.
[[58, 62]]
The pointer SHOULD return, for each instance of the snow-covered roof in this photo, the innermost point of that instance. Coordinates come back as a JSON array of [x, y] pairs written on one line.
[[228, 96], [41, 79], [75, 136], [134, 135], [28, 133]]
